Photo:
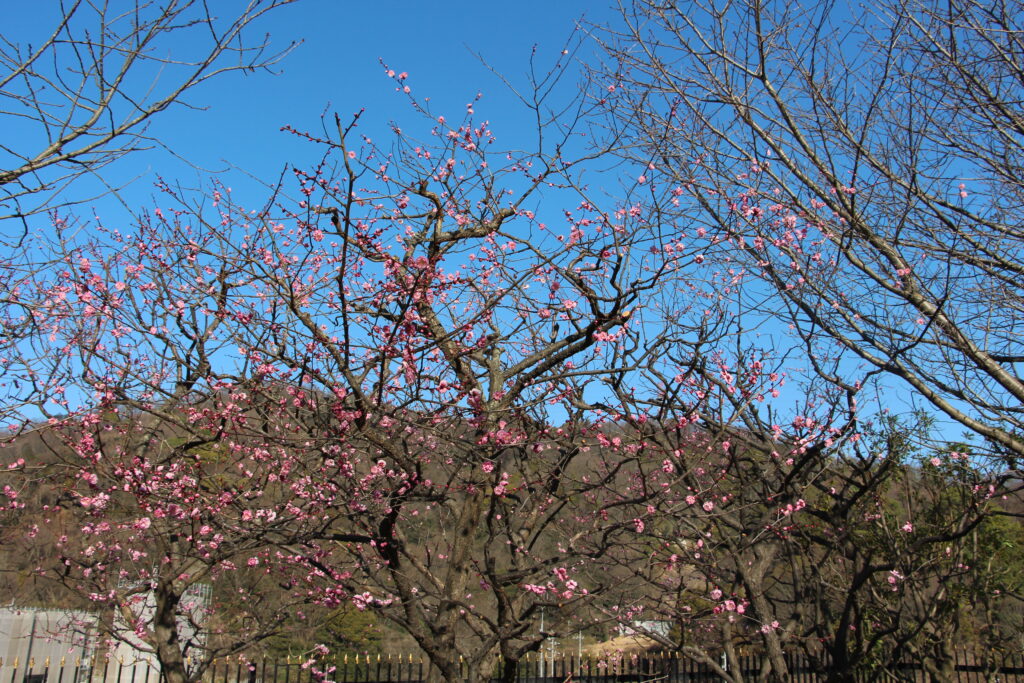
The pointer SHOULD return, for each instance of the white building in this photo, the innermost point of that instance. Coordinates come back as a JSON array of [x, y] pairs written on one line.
[[46, 645], [62, 646]]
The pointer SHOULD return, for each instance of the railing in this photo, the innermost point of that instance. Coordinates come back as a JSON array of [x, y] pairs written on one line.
[[667, 668]]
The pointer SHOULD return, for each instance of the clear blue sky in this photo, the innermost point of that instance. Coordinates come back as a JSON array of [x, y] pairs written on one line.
[[337, 67]]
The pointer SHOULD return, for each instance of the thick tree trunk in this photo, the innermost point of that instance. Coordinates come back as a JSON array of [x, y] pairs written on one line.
[[165, 629], [754, 580], [509, 668], [840, 675], [940, 668]]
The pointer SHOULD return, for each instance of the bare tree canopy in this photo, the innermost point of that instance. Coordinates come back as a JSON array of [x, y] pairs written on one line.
[[864, 171], [84, 96]]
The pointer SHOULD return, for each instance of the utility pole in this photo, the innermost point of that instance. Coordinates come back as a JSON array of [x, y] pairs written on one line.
[[540, 650], [31, 641]]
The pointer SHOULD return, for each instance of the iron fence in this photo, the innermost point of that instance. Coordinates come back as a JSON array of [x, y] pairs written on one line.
[[668, 668]]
